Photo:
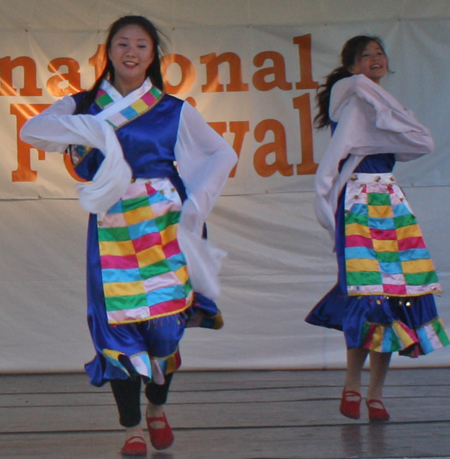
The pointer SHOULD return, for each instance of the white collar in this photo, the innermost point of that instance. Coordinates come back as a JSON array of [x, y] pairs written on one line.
[[121, 102]]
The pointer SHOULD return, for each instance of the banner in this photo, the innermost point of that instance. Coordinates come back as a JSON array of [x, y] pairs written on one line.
[[255, 86]]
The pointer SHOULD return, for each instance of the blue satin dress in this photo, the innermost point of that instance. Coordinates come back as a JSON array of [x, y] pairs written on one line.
[[148, 144]]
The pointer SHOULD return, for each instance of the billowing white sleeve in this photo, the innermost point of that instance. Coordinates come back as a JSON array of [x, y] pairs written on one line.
[[204, 160], [390, 128], [40, 131], [370, 121], [56, 128]]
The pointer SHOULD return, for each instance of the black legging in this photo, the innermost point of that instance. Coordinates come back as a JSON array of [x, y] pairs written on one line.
[[127, 393]]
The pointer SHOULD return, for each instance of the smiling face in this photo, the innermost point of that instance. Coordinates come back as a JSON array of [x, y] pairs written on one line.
[[131, 53], [372, 63]]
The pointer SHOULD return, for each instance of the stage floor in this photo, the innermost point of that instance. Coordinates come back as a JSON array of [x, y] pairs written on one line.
[[230, 415]]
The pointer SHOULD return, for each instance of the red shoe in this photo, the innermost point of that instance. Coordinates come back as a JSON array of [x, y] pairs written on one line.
[[134, 446], [160, 438], [377, 411], [349, 407]]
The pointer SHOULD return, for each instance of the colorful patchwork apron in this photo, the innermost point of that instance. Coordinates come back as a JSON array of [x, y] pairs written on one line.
[[385, 253], [144, 272]]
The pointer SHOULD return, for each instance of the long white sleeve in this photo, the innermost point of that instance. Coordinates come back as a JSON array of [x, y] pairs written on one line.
[[205, 160], [56, 128], [370, 121]]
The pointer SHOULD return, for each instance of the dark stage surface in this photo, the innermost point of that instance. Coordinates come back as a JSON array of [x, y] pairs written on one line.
[[230, 415]]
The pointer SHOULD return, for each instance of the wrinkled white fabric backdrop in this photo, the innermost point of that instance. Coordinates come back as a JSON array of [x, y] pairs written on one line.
[[280, 262]]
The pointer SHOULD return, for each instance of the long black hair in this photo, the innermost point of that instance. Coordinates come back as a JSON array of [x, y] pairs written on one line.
[[351, 52], [153, 71]]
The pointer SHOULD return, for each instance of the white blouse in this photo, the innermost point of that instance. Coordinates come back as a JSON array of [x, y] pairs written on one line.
[[370, 121]]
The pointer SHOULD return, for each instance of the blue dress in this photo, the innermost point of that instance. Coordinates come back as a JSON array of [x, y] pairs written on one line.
[[148, 144], [372, 322]]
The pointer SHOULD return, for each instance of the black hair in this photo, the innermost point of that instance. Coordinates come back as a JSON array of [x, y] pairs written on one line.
[[351, 52], [153, 71]]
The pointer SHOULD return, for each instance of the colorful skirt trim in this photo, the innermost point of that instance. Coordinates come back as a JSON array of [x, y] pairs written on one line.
[[397, 337], [141, 364], [149, 349], [385, 253]]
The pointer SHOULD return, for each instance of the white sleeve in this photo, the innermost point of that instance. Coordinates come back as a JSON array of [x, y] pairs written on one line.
[[205, 160], [57, 127], [40, 130], [405, 133]]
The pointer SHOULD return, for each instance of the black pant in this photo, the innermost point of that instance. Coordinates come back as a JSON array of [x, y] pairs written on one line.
[[127, 393]]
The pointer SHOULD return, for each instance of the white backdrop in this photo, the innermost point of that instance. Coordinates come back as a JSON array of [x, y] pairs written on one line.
[[280, 261]]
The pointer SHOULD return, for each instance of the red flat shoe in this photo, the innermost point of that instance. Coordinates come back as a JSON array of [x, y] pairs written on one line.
[[134, 446], [377, 413], [350, 408], [160, 438]]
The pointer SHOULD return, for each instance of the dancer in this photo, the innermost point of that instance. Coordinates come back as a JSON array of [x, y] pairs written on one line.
[[150, 273], [383, 300]]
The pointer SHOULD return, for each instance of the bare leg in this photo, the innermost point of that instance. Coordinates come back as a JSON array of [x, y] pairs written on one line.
[[355, 362], [379, 365], [136, 431], [351, 397], [155, 411]]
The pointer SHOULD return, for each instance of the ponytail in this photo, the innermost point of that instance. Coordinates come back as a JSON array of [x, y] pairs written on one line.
[[322, 119]]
